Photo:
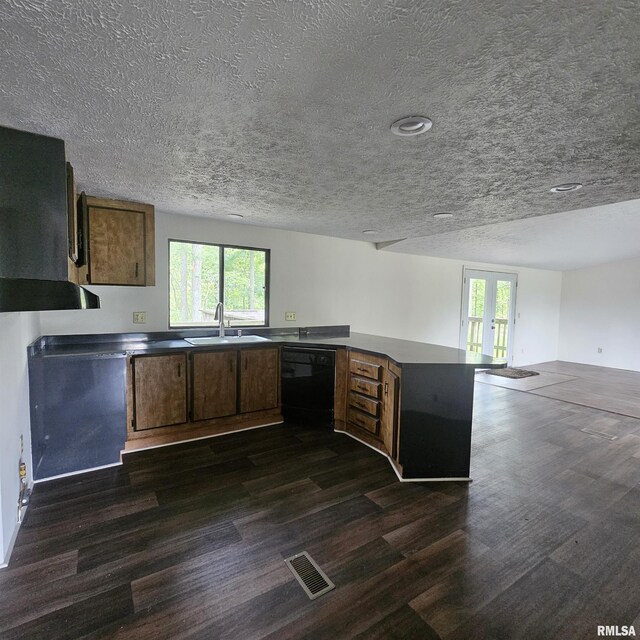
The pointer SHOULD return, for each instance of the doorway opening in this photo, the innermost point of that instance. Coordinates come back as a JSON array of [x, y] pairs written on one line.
[[488, 312]]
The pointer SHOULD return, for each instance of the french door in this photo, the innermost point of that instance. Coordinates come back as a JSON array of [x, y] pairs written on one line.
[[488, 307]]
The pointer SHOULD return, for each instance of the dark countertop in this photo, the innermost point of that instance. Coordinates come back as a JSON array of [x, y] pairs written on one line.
[[401, 351]]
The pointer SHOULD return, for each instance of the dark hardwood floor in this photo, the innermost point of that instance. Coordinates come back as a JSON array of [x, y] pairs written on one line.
[[188, 541]]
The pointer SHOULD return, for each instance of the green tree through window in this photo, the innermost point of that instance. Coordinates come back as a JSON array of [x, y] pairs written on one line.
[[200, 273]]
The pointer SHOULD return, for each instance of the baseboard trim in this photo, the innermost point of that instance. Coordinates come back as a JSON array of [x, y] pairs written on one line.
[[393, 465], [77, 473], [12, 542], [213, 435]]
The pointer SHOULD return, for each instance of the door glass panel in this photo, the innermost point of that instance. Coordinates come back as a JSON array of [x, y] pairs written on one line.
[[487, 312], [501, 319], [477, 289]]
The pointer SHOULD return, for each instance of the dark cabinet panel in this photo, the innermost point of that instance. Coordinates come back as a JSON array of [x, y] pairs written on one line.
[[78, 414]]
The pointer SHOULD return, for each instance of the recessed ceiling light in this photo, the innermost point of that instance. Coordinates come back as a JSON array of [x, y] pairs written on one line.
[[411, 126], [443, 215], [370, 232], [234, 215], [563, 188]]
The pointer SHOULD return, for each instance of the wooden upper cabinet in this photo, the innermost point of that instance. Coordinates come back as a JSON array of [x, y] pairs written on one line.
[[121, 243], [259, 379], [159, 390], [214, 384]]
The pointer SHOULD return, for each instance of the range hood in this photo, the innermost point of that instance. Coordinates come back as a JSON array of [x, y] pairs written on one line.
[[33, 226]]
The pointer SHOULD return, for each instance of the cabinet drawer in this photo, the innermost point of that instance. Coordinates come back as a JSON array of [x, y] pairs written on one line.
[[362, 385], [372, 407], [366, 369], [364, 421]]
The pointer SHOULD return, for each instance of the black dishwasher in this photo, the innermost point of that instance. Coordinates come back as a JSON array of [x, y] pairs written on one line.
[[308, 379]]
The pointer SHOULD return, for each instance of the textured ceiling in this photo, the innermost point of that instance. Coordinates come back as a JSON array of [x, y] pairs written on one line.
[[280, 109], [561, 241]]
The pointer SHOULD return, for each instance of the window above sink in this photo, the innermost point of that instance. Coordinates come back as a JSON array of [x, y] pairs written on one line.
[[202, 275]]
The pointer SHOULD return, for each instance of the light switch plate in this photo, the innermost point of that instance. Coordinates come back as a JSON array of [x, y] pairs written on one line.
[[139, 317], [290, 315]]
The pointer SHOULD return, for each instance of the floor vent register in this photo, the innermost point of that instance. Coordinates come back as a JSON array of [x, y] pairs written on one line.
[[310, 576]]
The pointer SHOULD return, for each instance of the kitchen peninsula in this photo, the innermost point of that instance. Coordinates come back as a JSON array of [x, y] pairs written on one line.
[[93, 396]]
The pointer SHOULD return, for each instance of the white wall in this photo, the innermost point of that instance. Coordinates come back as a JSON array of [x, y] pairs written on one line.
[[17, 331], [600, 308], [332, 281]]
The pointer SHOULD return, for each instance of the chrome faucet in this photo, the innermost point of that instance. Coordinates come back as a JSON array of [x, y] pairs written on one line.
[[219, 316]]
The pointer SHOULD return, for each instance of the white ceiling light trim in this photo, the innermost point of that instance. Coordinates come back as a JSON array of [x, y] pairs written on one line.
[[565, 188], [411, 126]]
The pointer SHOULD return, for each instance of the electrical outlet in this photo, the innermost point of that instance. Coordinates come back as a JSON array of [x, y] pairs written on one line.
[[139, 317], [599, 349], [290, 315]]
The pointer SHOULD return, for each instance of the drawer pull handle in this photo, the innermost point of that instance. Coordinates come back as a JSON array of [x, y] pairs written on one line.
[[386, 388], [136, 269], [230, 365], [362, 388], [179, 370]]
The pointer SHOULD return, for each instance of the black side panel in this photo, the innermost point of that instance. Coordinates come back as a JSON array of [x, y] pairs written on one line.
[[78, 413], [33, 206], [435, 424], [44, 295]]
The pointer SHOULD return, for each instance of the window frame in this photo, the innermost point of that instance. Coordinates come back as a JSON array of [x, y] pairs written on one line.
[[222, 247]]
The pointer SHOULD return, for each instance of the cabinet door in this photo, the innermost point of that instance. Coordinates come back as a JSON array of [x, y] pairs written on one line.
[[259, 379], [116, 246], [160, 390], [214, 384], [389, 419]]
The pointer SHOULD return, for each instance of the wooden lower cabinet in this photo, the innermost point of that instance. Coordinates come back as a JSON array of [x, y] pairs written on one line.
[[372, 400], [159, 390], [175, 396], [259, 379], [389, 419], [214, 384]]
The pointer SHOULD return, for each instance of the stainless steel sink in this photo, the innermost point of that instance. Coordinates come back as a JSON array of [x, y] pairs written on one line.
[[213, 340]]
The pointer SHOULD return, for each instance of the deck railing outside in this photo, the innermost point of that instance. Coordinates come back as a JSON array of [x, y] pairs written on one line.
[[474, 336]]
